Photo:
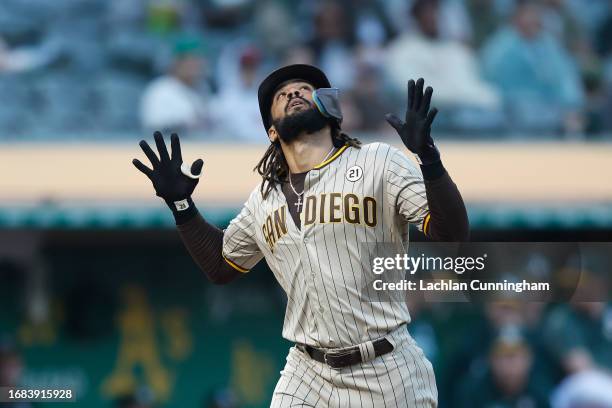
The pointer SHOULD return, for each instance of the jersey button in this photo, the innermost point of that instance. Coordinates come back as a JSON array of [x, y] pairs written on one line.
[[305, 240]]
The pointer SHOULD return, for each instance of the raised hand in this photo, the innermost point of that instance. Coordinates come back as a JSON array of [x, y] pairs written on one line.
[[415, 129], [173, 181]]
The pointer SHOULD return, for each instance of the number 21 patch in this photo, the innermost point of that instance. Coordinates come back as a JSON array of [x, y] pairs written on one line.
[[354, 173]]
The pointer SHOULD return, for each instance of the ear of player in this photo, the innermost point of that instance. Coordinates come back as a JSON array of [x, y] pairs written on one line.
[[172, 179], [415, 129]]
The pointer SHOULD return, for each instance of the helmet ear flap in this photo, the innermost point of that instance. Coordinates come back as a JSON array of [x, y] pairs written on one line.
[[327, 101]]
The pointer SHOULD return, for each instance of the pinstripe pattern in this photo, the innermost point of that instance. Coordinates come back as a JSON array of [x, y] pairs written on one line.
[[320, 267], [407, 380]]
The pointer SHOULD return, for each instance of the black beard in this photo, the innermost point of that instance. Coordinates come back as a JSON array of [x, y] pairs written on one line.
[[306, 121]]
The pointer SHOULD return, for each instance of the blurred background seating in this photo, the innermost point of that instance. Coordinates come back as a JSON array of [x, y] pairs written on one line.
[[512, 68]]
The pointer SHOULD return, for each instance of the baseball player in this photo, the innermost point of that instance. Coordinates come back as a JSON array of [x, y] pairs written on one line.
[[323, 198]]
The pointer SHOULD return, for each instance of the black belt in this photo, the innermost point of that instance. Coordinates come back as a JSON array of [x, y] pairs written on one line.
[[345, 357]]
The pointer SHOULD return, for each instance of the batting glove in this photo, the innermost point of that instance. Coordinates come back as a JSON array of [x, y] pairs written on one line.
[[173, 181], [415, 129]]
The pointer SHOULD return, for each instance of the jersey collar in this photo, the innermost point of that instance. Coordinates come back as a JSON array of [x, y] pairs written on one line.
[[331, 159]]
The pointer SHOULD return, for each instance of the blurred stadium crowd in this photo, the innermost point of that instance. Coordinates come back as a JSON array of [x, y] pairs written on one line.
[[514, 354], [500, 68], [501, 353]]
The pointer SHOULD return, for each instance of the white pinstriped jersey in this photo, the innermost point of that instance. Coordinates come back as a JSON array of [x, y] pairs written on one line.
[[358, 196]]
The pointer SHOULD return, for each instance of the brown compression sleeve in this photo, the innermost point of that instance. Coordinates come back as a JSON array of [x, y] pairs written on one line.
[[448, 220], [205, 243]]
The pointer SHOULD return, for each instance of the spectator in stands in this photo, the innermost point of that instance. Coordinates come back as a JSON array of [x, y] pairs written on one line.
[[332, 43], [370, 100], [448, 66], [485, 17], [476, 338], [275, 28], [507, 378], [175, 102], [454, 21], [539, 81], [497, 315], [235, 109], [11, 366], [590, 389], [558, 20], [579, 336], [453, 17], [372, 25]]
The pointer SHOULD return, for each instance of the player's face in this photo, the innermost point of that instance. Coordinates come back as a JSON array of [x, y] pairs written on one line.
[[292, 98]]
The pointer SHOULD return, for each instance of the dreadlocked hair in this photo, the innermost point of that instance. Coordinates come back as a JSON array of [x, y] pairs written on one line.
[[273, 166]]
